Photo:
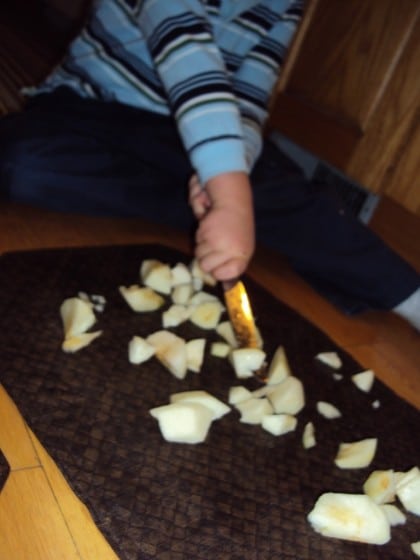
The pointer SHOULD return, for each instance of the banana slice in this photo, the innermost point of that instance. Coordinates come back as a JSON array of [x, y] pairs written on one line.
[[156, 275], [220, 349], [225, 330], [180, 274], [381, 486], [308, 436], [170, 351], [246, 361], [175, 315], [254, 410], [183, 422], [141, 299], [238, 394], [204, 398], [139, 350], [77, 316], [364, 380], [181, 294], [279, 367], [195, 354], [331, 359], [279, 424], [408, 490], [327, 410], [356, 455], [394, 515], [206, 315], [415, 547], [288, 397], [353, 517], [79, 341]]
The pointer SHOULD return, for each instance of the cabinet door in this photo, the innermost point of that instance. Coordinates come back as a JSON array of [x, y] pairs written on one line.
[[350, 92]]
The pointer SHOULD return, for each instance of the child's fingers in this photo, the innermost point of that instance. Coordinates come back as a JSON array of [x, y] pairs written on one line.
[[199, 202], [219, 262], [229, 270], [221, 267]]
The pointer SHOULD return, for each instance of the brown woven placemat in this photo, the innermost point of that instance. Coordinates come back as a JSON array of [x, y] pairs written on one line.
[[4, 470], [243, 494]]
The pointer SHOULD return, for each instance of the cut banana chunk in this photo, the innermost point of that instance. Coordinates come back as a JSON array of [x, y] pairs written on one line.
[[327, 410], [353, 517], [238, 394], [217, 407], [253, 410], [288, 397], [381, 486], [308, 436], [415, 547], [364, 380], [279, 424], [147, 265], [331, 359], [156, 275], [181, 294], [139, 350], [195, 354], [225, 330], [79, 341], [180, 274], [356, 455], [141, 299], [170, 351], [175, 315], [246, 361], [279, 367], [264, 391], [183, 422], [203, 297], [77, 316], [394, 515], [220, 349], [206, 315], [408, 490]]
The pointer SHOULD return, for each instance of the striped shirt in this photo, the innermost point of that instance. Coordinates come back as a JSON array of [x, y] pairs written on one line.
[[212, 64]]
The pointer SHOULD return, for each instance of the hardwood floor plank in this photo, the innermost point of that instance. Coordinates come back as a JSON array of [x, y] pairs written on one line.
[[32, 526], [78, 517], [15, 441]]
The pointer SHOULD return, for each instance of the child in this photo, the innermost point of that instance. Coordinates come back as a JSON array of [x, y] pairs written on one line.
[[156, 95]]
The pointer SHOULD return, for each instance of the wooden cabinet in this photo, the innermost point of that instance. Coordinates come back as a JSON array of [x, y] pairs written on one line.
[[350, 92]]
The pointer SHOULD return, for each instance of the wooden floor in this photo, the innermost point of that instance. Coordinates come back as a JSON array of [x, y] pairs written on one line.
[[40, 518]]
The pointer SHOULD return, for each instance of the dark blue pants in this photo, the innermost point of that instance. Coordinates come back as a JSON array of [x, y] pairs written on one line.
[[77, 155]]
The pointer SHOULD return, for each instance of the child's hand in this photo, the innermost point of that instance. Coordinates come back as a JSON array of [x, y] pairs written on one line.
[[197, 197], [225, 238]]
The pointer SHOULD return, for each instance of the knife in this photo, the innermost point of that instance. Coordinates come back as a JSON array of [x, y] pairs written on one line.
[[241, 316]]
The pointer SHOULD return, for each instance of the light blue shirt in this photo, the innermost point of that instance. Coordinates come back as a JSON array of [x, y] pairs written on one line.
[[212, 64]]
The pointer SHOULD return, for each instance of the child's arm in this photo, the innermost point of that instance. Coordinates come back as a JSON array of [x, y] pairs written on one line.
[[219, 117]]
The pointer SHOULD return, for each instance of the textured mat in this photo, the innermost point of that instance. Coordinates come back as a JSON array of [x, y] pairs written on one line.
[[4, 470], [243, 494]]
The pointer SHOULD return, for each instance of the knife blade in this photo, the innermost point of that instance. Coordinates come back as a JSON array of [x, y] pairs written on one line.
[[242, 318], [240, 313]]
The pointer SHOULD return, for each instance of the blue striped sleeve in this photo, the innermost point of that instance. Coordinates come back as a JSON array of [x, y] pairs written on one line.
[[258, 72], [198, 87]]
